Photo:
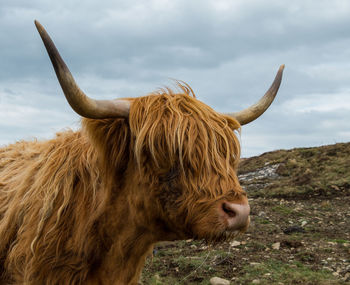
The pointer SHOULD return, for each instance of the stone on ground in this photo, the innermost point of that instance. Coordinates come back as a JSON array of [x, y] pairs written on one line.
[[219, 281]]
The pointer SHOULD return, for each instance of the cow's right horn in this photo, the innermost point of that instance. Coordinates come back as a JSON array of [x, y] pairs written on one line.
[[82, 104], [253, 112]]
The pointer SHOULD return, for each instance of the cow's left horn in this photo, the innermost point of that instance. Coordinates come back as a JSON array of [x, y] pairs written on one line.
[[82, 104], [253, 112]]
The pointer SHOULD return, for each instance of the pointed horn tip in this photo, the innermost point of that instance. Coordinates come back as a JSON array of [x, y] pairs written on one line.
[[39, 27], [281, 67]]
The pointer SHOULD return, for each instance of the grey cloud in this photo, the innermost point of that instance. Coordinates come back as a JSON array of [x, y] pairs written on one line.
[[228, 51]]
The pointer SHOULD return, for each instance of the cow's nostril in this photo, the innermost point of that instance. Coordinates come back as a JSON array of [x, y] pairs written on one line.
[[228, 210], [235, 216]]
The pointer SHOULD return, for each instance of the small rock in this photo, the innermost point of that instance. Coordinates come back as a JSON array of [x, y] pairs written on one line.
[[336, 274], [193, 246], [235, 243], [346, 244], [267, 274], [157, 277], [256, 281], [254, 263], [303, 223], [335, 187], [219, 281], [276, 245]]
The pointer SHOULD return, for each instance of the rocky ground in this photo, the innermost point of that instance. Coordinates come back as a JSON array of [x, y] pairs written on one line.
[[299, 233]]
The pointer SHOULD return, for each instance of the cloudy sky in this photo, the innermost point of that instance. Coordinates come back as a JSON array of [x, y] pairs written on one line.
[[227, 50]]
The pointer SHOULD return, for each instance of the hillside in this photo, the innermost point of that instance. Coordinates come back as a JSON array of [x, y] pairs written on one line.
[[300, 226], [301, 172]]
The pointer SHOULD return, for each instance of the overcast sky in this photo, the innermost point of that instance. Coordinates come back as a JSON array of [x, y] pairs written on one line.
[[227, 51]]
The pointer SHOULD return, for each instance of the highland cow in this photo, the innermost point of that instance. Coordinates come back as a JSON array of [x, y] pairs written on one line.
[[87, 206]]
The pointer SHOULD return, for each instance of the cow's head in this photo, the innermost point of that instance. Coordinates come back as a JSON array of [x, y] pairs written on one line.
[[184, 155]]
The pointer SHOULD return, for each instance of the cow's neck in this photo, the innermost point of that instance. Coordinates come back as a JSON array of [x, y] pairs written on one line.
[[130, 244], [126, 258], [130, 229]]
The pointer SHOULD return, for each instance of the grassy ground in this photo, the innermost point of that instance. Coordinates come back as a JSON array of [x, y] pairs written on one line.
[[299, 233]]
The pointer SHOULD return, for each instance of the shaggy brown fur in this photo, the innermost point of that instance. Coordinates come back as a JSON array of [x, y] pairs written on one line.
[[86, 207]]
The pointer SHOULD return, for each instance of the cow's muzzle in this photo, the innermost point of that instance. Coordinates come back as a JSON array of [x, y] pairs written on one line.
[[236, 216]]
